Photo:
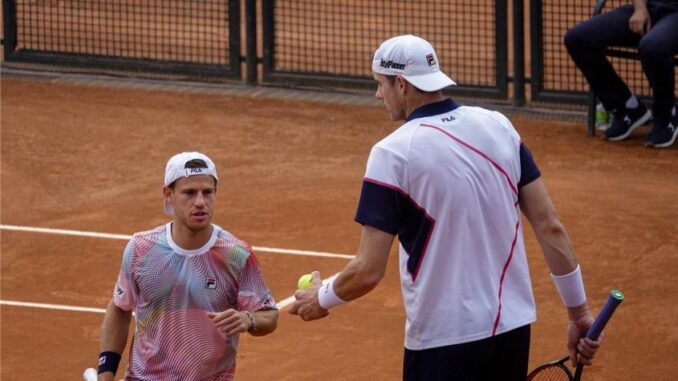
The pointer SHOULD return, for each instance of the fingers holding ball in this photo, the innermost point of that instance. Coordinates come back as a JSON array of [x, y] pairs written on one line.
[[305, 281]]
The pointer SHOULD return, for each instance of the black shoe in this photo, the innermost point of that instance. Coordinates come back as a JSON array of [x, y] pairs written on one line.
[[662, 136], [626, 120]]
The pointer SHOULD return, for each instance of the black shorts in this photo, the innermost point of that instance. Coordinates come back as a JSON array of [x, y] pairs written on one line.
[[503, 357]]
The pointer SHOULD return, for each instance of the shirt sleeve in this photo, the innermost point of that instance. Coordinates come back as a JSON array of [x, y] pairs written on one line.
[[528, 168], [253, 294], [124, 294], [384, 194]]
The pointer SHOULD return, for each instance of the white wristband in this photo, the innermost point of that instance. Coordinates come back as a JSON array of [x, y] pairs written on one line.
[[327, 298], [571, 288]]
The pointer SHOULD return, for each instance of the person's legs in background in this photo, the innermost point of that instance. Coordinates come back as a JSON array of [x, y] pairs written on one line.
[[656, 50], [585, 43]]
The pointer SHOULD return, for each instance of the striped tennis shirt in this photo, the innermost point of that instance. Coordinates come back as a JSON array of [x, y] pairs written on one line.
[[172, 290]]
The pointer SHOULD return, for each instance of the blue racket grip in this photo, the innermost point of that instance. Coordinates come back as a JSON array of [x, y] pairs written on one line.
[[615, 298]]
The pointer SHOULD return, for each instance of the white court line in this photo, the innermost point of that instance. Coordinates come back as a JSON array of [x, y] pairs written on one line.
[[60, 307], [64, 232], [127, 237], [45, 306]]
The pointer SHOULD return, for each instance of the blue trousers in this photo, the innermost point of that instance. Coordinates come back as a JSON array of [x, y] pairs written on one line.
[[503, 357], [586, 41]]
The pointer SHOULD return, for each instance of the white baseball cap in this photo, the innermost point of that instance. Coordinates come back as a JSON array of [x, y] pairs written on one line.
[[178, 167], [414, 59]]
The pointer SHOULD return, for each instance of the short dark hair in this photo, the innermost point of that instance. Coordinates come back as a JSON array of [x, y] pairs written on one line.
[[195, 163], [391, 80]]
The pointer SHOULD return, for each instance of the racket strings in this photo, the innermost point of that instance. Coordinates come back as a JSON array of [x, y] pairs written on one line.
[[554, 372]]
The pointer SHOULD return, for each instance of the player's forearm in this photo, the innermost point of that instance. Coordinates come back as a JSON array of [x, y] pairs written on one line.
[[551, 234], [356, 280], [556, 246], [115, 329], [266, 322], [364, 272]]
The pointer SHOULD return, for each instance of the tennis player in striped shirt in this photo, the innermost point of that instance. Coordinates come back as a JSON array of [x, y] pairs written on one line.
[[194, 287]]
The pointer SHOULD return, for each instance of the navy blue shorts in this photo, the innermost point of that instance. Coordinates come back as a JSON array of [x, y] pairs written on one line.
[[502, 357]]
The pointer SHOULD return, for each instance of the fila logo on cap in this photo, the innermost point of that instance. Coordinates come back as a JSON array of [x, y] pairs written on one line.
[[430, 59], [195, 171]]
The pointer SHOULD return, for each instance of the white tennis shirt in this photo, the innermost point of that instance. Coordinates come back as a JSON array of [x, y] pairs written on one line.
[[447, 183]]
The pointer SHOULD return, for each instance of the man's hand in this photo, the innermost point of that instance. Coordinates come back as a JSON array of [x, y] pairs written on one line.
[[230, 322], [581, 349], [639, 22], [306, 304]]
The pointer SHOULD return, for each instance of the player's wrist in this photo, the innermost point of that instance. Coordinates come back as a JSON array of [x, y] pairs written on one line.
[[571, 288], [108, 362], [580, 315], [327, 297], [252, 327]]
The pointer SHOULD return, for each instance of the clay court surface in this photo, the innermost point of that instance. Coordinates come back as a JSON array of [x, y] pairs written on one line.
[[91, 158]]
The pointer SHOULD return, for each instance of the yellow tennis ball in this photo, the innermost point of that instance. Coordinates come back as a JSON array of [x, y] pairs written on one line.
[[305, 281]]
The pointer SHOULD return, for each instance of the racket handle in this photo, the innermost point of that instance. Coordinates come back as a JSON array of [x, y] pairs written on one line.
[[615, 298]]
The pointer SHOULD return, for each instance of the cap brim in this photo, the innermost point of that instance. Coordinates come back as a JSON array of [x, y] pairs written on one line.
[[431, 81]]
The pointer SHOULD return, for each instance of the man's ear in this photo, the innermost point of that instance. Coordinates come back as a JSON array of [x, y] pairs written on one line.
[[401, 83], [167, 193]]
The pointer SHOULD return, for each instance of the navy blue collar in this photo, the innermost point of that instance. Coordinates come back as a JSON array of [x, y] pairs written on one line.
[[435, 108]]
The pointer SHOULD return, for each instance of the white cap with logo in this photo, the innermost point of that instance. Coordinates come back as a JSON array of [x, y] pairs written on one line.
[[414, 59], [177, 168]]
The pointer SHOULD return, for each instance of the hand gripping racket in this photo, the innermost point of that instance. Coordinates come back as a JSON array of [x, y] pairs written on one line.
[[557, 370]]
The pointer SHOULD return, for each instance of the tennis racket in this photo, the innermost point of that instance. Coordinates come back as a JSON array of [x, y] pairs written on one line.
[[557, 370]]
